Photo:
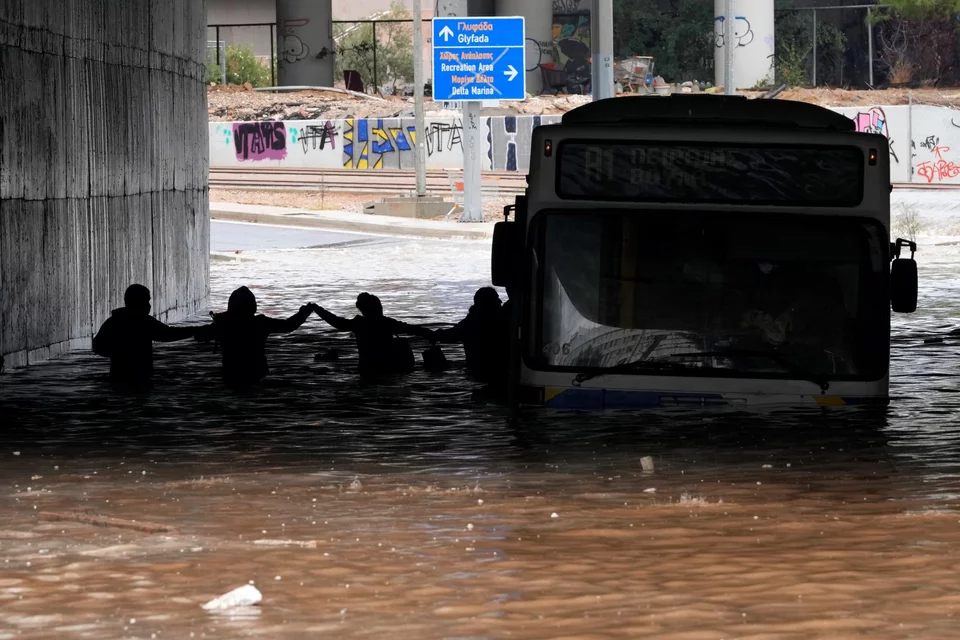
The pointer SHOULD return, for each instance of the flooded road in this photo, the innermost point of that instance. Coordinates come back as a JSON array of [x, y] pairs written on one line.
[[413, 510]]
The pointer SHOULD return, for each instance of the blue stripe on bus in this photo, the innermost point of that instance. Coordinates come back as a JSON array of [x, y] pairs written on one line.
[[614, 399]]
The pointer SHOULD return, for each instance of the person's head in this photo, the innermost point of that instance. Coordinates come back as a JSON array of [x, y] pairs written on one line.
[[242, 302], [486, 298], [137, 299], [369, 305]]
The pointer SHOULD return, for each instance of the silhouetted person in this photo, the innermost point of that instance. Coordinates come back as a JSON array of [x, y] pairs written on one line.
[[242, 336], [481, 335], [127, 337], [380, 349]]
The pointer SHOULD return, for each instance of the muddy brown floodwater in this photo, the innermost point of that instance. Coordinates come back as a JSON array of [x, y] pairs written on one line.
[[414, 510]]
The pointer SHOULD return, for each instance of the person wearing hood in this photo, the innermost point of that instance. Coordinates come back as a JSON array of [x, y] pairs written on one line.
[[480, 332], [128, 335], [242, 336], [381, 350]]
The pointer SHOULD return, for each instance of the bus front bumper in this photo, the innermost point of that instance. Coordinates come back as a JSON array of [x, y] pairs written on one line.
[[598, 399]]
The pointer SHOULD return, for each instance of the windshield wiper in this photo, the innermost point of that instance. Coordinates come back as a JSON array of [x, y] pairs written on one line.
[[773, 356], [630, 367]]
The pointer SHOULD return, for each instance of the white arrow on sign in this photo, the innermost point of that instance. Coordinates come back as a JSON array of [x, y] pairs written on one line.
[[446, 33], [511, 73]]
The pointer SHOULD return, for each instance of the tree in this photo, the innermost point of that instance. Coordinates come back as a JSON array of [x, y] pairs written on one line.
[[677, 33], [394, 48], [918, 39], [242, 67], [793, 31]]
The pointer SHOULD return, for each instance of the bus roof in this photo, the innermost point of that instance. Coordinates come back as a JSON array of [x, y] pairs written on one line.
[[708, 109]]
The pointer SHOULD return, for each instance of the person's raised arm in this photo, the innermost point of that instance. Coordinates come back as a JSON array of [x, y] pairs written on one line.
[[277, 325], [335, 321], [160, 332], [396, 326], [454, 334]]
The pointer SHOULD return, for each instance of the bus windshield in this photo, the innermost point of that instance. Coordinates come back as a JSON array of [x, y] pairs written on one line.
[[620, 287]]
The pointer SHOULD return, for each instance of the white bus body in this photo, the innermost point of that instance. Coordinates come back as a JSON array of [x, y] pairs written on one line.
[[671, 255]]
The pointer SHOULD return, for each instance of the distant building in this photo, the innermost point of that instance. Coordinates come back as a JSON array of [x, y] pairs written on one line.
[[232, 12], [227, 12]]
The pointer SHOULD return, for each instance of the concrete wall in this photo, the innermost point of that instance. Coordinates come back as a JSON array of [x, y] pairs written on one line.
[[102, 166], [385, 143], [924, 140], [369, 144]]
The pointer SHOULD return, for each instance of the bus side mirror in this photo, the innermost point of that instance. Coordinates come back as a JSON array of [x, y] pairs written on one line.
[[903, 279], [504, 244]]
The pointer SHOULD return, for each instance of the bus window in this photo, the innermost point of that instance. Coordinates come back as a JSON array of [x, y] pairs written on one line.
[[618, 287]]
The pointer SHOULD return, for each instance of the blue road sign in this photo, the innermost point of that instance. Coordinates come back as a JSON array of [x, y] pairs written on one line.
[[479, 59]]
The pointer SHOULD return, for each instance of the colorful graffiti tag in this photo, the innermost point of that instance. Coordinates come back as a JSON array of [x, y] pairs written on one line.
[[387, 143], [874, 120], [316, 137], [367, 143], [260, 140], [938, 168]]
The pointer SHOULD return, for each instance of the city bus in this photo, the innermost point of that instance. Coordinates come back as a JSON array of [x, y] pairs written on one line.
[[702, 250]]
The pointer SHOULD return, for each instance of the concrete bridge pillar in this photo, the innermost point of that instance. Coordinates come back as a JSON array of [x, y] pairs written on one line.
[[103, 166], [753, 43], [538, 16], [305, 47]]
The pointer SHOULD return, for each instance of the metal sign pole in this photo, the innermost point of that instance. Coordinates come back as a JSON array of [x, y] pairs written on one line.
[[729, 84], [870, 43], [420, 157], [814, 47], [474, 60], [472, 178]]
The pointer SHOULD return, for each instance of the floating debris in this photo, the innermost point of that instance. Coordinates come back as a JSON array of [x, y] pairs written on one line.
[[244, 596], [306, 544], [646, 463], [104, 521]]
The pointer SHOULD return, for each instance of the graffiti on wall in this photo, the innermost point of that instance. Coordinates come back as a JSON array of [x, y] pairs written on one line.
[[935, 164], [566, 6], [387, 143], [508, 141], [571, 35], [376, 143], [742, 31], [314, 137], [260, 140], [874, 120], [292, 48], [441, 136]]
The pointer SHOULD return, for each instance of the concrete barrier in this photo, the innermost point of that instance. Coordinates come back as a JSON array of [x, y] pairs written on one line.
[[931, 157]]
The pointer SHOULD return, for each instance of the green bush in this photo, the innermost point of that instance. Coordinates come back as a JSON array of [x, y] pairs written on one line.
[[794, 46], [242, 67]]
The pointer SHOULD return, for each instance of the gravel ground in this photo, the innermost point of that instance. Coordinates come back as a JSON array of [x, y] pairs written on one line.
[[232, 104], [236, 104]]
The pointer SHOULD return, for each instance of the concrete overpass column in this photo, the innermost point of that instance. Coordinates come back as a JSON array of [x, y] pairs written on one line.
[[753, 42], [305, 48], [103, 166], [539, 25]]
